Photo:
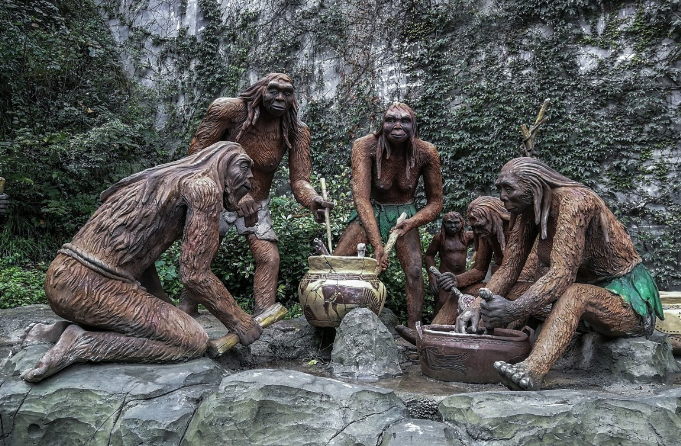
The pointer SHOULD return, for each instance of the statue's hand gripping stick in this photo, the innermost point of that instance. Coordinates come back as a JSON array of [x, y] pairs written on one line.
[[217, 347]]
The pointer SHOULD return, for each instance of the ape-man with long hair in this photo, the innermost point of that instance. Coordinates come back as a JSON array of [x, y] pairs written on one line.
[[386, 167], [594, 272], [95, 279], [264, 120]]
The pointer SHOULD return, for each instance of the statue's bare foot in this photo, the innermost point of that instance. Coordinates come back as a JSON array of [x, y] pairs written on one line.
[[56, 358], [516, 376], [39, 333], [406, 333]]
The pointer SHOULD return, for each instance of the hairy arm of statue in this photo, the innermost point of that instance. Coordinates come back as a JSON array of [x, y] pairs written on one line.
[[432, 182], [361, 193], [429, 258], [222, 114], [199, 245], [518, 246], [300, 166], [573, 216]]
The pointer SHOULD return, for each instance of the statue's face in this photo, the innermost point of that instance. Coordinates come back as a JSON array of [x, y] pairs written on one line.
[[517, 197], [278, 97], [238, 179], [481, 226], [452, 226], [397, 125]]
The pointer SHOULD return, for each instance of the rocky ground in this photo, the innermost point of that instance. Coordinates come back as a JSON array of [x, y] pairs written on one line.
[[285, 389]]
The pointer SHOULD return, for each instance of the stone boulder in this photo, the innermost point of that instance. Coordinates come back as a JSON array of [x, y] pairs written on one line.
[[279, 407], [420, 433], [637, 360], [112, 404], [564, 417], [364, 348]]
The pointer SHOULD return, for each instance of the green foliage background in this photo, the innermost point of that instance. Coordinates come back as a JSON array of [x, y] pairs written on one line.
[[80, 110]]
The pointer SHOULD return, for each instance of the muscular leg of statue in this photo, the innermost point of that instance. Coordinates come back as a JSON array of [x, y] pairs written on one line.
[[353, 234], [408, 248], [598, 306], [266, 256], [135, 325], [77, 345]]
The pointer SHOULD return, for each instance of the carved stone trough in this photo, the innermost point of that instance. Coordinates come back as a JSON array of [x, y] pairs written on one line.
[[450, 356]]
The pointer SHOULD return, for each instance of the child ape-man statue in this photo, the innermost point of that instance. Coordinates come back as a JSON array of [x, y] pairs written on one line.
[[386, 167], [94, 280], [451, 246], [264, 120], [594, 272]]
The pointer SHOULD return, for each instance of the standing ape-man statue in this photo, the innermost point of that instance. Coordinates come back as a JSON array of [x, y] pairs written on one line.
[[451, 246], [264, 120], [386, 167], [594, 272], [95, 280]]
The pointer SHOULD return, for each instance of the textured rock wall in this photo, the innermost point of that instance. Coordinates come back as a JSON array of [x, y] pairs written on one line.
[[473, 70]]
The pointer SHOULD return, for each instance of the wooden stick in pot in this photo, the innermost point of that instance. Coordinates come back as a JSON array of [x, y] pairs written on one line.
[[326, 214]]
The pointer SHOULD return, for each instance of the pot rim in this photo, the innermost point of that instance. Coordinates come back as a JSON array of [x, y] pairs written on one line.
[[502, 334], [340, 261]]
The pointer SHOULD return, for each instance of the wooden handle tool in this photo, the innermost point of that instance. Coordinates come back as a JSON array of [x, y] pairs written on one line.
[[217, 347], [326, 215]]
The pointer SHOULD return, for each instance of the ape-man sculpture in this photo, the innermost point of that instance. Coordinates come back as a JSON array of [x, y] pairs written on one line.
[[594, 272], [451, 246], [94, 280], [264, 120], [386, 167]]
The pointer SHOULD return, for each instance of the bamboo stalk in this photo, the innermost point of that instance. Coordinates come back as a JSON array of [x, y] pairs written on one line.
[[217, 347], [326, 215]]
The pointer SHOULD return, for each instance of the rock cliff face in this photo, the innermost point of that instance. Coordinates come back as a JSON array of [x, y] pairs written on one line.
[[474, 71]]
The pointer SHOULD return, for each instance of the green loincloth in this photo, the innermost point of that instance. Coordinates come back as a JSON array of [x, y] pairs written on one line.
[[387, 215], [638, 289]]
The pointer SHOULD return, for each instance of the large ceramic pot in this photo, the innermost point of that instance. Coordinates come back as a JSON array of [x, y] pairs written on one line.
[[334, 285], [450, 356]]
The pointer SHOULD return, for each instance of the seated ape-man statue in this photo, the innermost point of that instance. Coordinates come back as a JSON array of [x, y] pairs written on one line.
[[594, 272], [451, 246], [489, 220], [95, 280], [264, 120], [386, 167]]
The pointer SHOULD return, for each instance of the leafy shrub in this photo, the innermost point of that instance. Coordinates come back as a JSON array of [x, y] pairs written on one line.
[[21, 285]]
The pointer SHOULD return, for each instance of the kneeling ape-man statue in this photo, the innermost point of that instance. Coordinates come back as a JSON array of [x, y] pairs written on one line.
[[386, 167], [594, 272], [94, 280]]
